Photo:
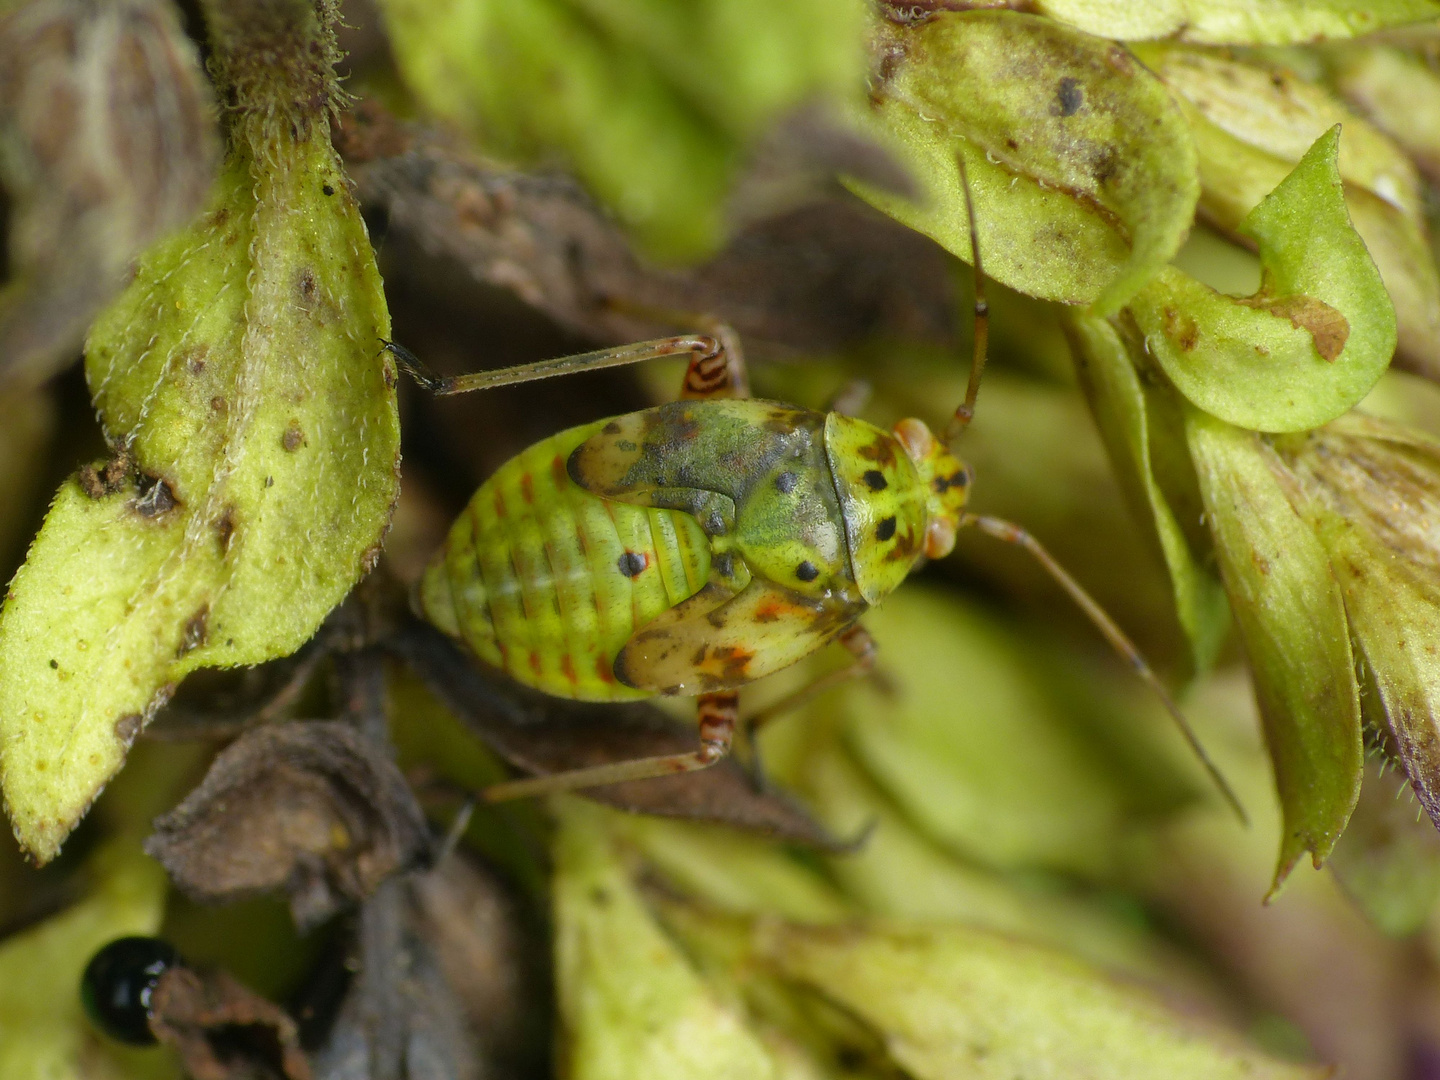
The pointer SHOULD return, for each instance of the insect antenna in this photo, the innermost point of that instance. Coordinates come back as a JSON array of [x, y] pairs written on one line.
[[965, 412]]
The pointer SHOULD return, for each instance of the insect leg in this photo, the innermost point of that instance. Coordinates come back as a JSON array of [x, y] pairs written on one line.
[[717, 713], [858, 643], [1014, 534], [966, 412], [709, 354]]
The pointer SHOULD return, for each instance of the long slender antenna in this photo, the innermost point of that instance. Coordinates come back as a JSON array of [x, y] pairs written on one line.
[[1014, 534], [966, 412]]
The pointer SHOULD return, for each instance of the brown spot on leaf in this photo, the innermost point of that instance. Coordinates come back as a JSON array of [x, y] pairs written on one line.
[[196, 631], [156, 499], [1181, 328], [225, 527], [314, 808], [1069, 96], [1326, 326], [99, 482], [127, 728], [294, 438]]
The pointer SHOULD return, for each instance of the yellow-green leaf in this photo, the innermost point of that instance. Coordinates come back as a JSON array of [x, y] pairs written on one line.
[[1306, 347], [241, 372], [1122, 413], [952, 1002], [1371, 490], [1238, 22], [1251, 124], [1292, 620], [1081, 167], [652, 104], [43, 1030], [1399, 93], [630, 1001]]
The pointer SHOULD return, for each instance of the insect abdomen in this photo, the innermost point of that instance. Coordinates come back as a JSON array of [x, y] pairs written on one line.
[[548, 582]]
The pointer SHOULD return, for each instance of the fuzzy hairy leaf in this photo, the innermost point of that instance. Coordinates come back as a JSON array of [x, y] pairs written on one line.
[[1292, 620], [954, 1002], [259, 441], [652, 104], [1122, 413], [1080, 164], [1305, 348]]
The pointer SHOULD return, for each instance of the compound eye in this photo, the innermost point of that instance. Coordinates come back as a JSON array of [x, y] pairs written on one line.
[[118, 984]]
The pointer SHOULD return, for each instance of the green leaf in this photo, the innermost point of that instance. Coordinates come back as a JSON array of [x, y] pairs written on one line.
[[1292, 620], [652, 104], [1399, 92], [1371, 491], [951, 1002], [43, 1030], [1239, 22], [631, 1003], [1122, 413], [1305, 348], [1081, 166], [1251, 124], [242, 372]]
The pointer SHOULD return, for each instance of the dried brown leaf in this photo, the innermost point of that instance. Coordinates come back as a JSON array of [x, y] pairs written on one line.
[[313, 808], [542, 735], [223, 1030], [107, 141], [815, 278]]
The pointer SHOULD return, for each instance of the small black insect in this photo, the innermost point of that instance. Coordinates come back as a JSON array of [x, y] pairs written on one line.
[[118, 983]]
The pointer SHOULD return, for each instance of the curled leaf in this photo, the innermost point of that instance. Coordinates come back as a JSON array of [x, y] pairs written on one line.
[[107, 141], [1292, 620], [257, 438], [314, 808], [1080, 164], [652, 105], [1122, 411], [630, 1001], [951, 1002], [1306, 347], [222, 1029], [1251, 123]]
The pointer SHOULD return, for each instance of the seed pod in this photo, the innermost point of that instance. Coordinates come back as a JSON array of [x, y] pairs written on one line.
[[107, 141]]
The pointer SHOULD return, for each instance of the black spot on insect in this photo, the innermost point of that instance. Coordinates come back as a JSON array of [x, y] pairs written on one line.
[[1069, 96], [875, 480], [958, 479], [632, 563], [327, 189], [807, 571], [118, 984], [724, 564], [785, 482], [886, 529], [612, 428], [626, 445]]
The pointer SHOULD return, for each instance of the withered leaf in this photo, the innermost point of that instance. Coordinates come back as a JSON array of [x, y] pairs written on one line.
[[313, 808], [107, 141], [223, 1030], [542, 735]]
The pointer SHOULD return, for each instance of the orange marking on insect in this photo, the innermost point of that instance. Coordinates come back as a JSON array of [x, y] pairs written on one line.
[[603, 668], [535, 663], [771, 610], [527, 488], [559, 473], [500, 510], [567, 668]]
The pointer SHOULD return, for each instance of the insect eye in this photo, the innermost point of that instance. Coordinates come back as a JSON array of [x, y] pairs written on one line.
[[807, 571], [886, 529], [118, 983]]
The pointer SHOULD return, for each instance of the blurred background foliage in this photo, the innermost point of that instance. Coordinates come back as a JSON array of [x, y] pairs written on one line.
[[1012, 866]]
